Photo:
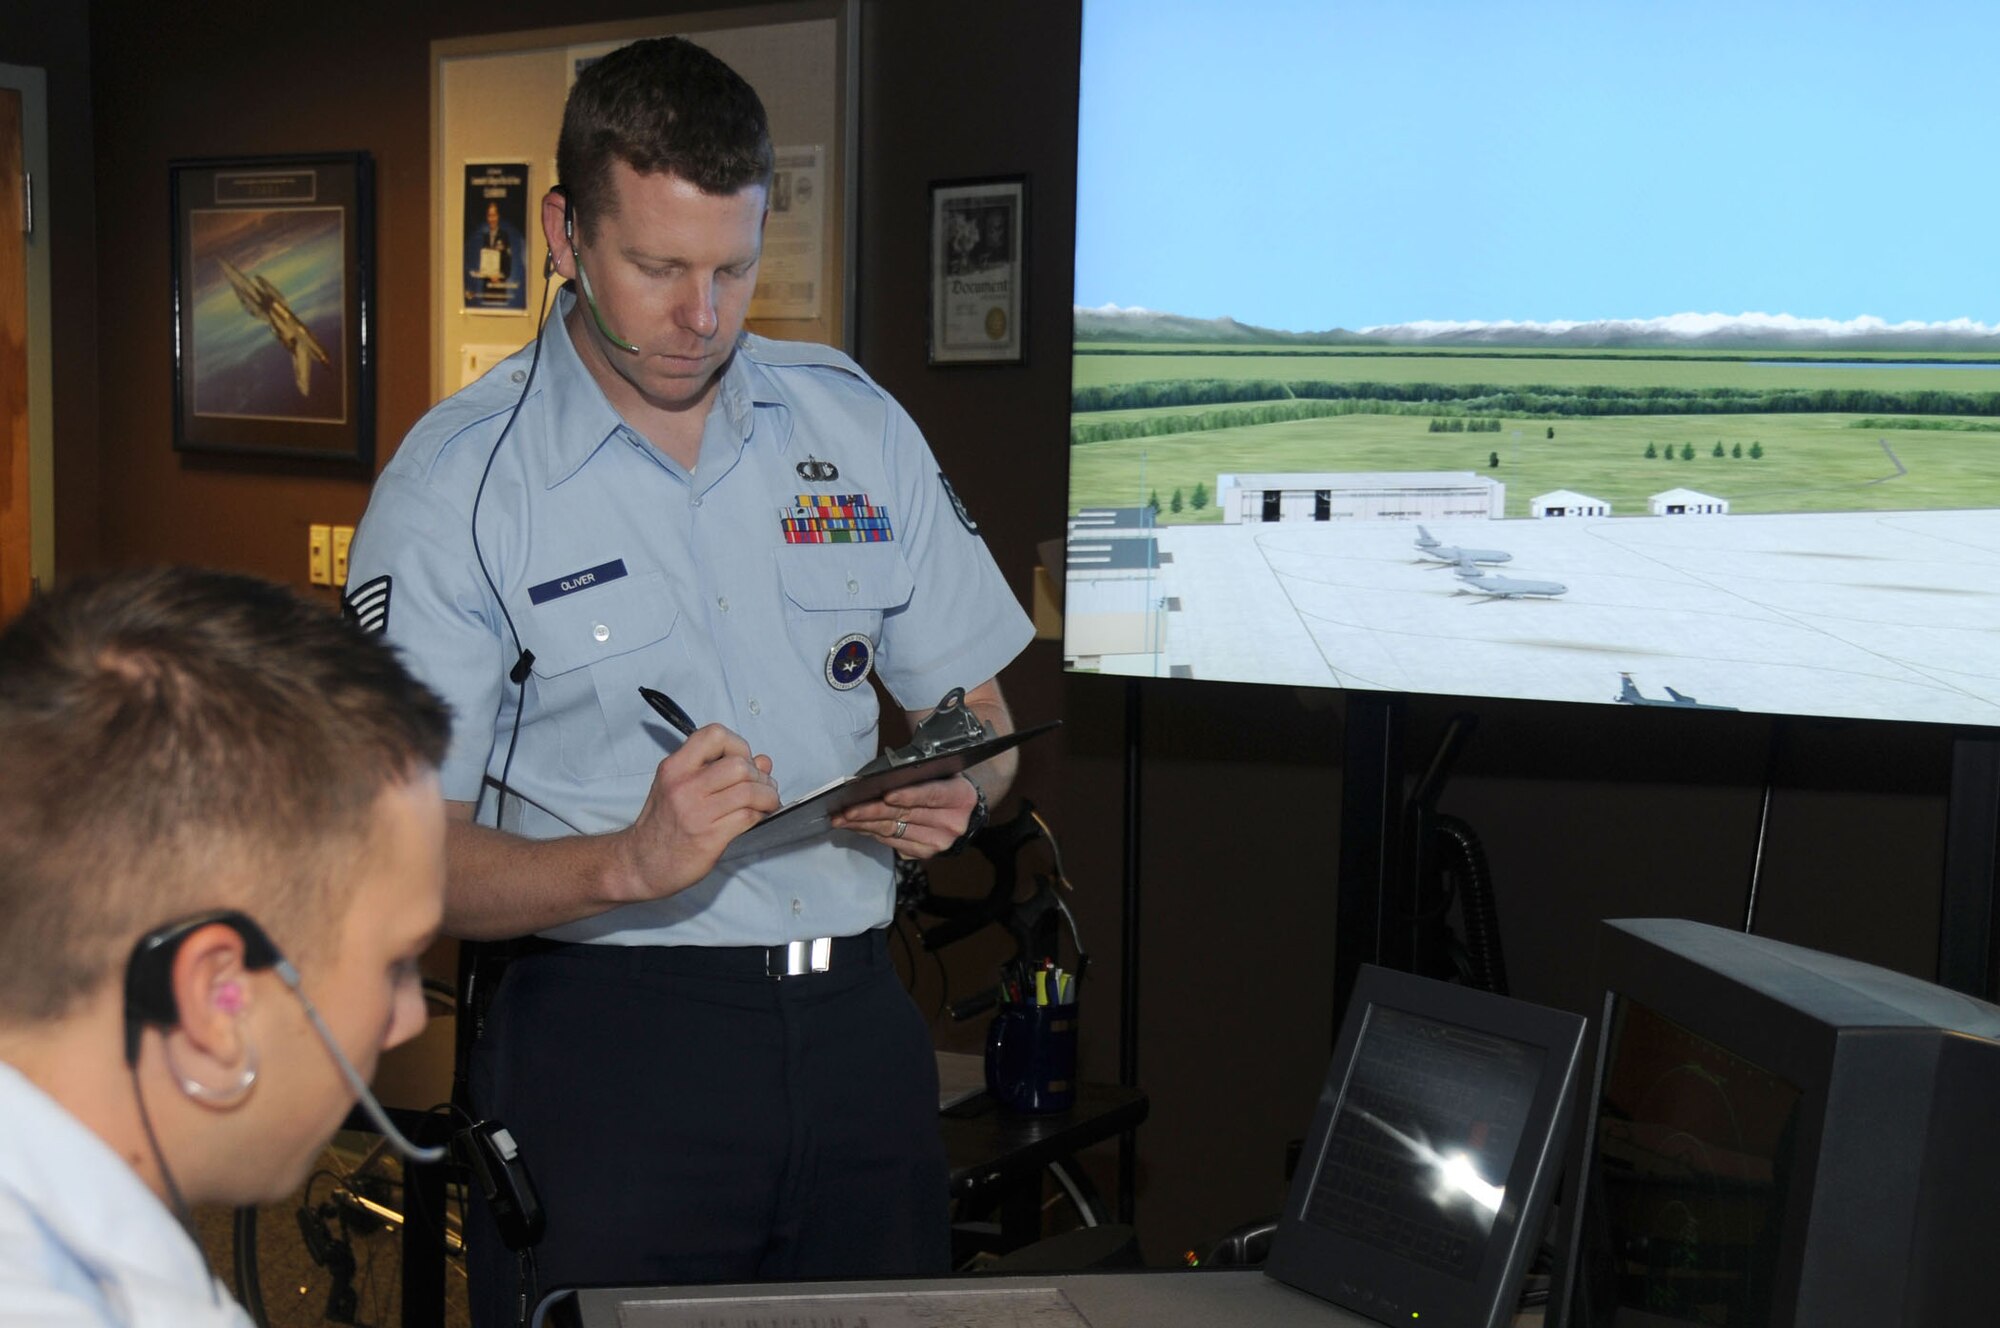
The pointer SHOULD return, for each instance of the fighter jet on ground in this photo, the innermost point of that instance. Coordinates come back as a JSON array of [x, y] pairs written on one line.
[[261, 300], [1428, 547], [1503, 587], [1629, 694]]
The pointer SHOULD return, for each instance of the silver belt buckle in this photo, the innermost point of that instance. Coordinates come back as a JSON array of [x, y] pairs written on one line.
[[802, 957]]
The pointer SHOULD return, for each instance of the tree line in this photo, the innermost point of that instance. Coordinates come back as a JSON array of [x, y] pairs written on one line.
[[1941, 426], [1489, 398]]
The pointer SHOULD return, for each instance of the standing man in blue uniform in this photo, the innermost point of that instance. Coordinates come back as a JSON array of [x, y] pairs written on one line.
[[708, 1060]]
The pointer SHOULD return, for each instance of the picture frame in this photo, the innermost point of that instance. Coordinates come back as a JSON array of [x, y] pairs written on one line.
[[978, 271], [273, 296]]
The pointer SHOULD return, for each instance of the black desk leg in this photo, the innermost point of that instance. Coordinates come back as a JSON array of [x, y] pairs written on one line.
[[423, 1245], [1021, 1212]]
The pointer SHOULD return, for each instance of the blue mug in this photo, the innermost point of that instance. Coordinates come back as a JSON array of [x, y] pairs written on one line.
[[1031, 1058]]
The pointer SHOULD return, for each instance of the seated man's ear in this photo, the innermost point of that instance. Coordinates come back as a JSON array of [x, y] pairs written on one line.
[[210, 1051]]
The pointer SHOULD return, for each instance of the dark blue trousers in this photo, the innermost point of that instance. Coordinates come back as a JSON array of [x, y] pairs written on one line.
[[686, 1120]]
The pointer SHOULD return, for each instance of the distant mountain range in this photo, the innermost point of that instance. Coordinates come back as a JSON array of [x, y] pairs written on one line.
[[1676, 332]]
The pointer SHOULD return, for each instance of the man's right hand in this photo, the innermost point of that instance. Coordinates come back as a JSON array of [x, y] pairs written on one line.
[[703, 796]]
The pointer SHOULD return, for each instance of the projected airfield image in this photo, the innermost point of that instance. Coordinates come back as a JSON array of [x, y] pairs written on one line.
[[1458, 454]]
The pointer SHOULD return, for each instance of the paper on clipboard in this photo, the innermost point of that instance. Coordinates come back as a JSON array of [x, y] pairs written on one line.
[[811, 815]]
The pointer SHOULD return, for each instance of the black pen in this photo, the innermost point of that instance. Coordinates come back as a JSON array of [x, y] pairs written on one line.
[[668, 711]]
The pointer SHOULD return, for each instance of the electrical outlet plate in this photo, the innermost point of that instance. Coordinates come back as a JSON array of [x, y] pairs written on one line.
[[319, 555], [343, 536]]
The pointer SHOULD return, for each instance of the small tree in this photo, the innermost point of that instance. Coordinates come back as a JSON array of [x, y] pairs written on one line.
[[1154, 502], [1687, 452], [1199, 498], [1651, 451], [1737, 451], [1493, 461], [1718, 448], [1756, 451], [1552, 431], [1174, 503]]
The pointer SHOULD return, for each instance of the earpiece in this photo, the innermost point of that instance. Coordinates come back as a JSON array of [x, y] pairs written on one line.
[[149, 974], [150, 1002]]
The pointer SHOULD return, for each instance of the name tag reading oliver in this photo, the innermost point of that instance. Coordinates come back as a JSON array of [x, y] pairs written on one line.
[[575, 581]]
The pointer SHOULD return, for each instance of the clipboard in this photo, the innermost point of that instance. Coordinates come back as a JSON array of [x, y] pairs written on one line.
[[812, 815]]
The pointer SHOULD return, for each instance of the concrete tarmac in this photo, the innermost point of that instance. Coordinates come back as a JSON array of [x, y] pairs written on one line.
[[1886, 615]]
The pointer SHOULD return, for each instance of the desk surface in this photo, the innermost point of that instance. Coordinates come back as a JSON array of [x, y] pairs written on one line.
[[1167, 1298], [986, 1144], [1162, 1298]]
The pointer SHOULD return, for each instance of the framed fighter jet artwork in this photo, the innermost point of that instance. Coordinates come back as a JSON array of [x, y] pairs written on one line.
[[273, 291]]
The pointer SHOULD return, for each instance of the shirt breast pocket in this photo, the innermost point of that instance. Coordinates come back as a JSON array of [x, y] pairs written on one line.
[[594, 649], [837, 591]]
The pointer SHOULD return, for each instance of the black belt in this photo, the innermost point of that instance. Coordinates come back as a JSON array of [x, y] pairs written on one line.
[[825, 954]]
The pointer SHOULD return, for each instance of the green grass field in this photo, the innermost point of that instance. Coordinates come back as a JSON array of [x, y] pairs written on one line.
[[1811, 463]]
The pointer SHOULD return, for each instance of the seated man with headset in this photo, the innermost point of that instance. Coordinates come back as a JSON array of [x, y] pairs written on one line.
[[221, 855]]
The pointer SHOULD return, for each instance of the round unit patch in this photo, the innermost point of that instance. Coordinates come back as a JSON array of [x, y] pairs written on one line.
[[848, 663]]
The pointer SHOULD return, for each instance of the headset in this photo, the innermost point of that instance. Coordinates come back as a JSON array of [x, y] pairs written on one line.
[[150, 1003], [583, 278]]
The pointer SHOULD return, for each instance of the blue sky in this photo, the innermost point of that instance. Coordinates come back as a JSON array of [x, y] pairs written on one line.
[[1307, 164]]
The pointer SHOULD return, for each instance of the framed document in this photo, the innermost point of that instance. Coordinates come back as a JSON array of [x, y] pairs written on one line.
[[979, 271], [273, 288]]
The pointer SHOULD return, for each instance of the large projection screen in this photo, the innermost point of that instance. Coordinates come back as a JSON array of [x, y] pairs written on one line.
[[1567, 351]]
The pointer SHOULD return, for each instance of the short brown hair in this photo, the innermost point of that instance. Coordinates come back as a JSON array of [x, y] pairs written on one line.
[[663, 105], [176, 739]]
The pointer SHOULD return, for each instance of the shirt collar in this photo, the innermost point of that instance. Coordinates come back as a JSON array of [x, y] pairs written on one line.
[[88, 1198], [578, 419]]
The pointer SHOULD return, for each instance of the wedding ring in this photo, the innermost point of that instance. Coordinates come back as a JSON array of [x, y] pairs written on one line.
[[901, 826]]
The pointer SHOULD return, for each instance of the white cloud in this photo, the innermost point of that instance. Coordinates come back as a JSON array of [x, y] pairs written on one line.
[[1695, 325]]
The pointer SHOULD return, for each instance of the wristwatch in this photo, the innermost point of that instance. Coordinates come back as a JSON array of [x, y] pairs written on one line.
[[973, 823]]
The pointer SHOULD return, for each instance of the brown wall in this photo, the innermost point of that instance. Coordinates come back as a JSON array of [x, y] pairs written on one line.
[[1586, 812]]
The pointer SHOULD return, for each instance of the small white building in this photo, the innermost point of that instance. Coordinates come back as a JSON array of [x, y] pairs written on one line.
[[1568, 502], [1359, 496], [1686, 502]]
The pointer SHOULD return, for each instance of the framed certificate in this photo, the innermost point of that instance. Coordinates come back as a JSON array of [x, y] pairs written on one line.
[[978, 273]]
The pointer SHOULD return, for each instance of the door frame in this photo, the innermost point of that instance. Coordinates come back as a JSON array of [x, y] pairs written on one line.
[[32, 84]]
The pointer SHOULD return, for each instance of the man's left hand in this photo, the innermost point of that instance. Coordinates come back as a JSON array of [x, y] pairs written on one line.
[[918, 820]]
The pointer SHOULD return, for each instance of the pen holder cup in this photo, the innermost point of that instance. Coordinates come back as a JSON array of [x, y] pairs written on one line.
[[1031, 1058]]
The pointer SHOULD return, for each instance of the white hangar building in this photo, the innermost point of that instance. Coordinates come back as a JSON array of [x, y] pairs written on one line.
[[1686, 502], [1568, 502], [1355, 496]]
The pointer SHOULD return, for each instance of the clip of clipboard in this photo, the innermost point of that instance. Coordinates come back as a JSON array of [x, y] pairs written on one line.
[[949, 740]]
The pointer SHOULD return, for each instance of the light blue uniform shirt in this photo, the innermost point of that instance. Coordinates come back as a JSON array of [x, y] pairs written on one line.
[[83, 1242], [620, 569]]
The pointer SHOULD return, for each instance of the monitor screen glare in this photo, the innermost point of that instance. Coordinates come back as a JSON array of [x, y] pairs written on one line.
[[1426, 1131]]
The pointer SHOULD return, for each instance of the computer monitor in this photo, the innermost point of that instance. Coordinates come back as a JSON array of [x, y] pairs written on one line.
[[1777, 1136], [1425, 1181]]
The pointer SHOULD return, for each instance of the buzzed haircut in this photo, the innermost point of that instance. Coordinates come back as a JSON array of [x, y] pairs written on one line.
[[663, 105], [174, 740]]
